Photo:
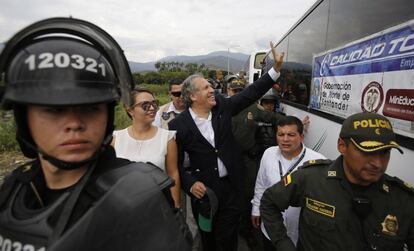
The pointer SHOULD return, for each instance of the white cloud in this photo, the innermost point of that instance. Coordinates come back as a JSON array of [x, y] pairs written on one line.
[[148, 30]]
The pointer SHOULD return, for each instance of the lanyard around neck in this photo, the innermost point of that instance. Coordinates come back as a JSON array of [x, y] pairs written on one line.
[[292, 167]]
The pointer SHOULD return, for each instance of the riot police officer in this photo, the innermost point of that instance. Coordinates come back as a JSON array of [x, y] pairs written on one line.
[[270, 102], [266, 133], [350, 203], [63, 78]]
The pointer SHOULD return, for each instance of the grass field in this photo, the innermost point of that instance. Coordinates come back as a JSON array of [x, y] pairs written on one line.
[[9, 161]]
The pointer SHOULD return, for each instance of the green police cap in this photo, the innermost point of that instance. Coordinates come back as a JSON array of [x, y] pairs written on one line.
[[369, 132], [236, 84]]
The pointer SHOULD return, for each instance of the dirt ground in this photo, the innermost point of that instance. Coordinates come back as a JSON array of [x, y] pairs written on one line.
[[9, 161]]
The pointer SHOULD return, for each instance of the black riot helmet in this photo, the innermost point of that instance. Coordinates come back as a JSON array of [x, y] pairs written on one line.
[[268, 98], [60, 71], [62, 62]]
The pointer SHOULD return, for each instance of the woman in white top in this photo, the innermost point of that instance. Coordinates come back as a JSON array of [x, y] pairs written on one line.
[[147, 143]]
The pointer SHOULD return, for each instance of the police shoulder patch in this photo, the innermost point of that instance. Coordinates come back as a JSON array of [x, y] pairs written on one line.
[[287, 179], [316, 162], [400, 183], [165, 116]]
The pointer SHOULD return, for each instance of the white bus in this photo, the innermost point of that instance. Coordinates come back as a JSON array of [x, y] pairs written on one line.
[[253, 66], [344, 57]]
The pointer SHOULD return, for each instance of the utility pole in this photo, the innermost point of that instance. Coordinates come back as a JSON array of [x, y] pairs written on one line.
[[228, 61]]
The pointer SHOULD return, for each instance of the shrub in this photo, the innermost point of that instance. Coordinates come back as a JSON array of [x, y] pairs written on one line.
[[8, 135], [121, 118], [160, 92]]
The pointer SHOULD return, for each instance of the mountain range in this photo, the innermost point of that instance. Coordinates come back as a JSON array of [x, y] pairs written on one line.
[[214, 60]]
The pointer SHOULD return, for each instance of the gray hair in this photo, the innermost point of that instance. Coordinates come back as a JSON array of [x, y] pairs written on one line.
[[189, 88]]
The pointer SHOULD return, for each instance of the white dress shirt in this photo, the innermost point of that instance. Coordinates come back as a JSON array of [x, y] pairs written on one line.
[[273, 74], [269, 175], [206, 129]]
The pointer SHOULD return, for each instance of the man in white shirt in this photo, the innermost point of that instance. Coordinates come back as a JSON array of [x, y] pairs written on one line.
[[167, 112], [204, 132], [277, 162]]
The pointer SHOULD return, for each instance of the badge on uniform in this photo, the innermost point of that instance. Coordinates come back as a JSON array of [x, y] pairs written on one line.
[[250, 115], [386, 188], [165, 116], [408, 185], [390, 225]]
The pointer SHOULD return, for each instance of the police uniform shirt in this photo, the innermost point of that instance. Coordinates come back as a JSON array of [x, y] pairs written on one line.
[[269, 175], [160, 113], [328, 220]]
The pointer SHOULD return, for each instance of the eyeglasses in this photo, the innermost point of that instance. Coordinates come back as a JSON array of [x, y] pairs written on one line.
[[146, 105], [176, 94]]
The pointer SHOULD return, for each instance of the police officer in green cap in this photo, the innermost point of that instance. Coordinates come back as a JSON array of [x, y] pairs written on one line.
[[350, 203]]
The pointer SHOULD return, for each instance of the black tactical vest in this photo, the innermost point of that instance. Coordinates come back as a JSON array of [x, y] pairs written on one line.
[[133, 214]]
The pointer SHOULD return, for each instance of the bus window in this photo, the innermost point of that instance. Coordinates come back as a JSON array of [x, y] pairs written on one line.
[[305, 39], [258, 60], [253, 66], [370, 17], [309, 36]]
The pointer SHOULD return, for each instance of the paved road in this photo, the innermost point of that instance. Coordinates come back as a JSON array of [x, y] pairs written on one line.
[[242, 246]]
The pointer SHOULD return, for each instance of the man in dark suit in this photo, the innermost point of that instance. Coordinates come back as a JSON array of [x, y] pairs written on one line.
[[204, 132]]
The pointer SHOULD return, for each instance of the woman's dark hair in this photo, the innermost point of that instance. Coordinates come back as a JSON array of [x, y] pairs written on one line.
[[134, 93]]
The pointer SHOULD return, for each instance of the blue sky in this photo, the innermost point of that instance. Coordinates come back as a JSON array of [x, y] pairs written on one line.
[[148, 30]]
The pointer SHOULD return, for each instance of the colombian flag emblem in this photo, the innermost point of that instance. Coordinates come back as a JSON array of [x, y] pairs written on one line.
[[287, 179]]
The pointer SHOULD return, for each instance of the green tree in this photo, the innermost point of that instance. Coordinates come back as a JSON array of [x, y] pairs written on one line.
[[153, 78], [138, 78], [7, 132], [211, 74], [191, 68], [157, 65]]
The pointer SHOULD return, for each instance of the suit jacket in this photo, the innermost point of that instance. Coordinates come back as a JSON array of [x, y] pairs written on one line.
[[202, 155]]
